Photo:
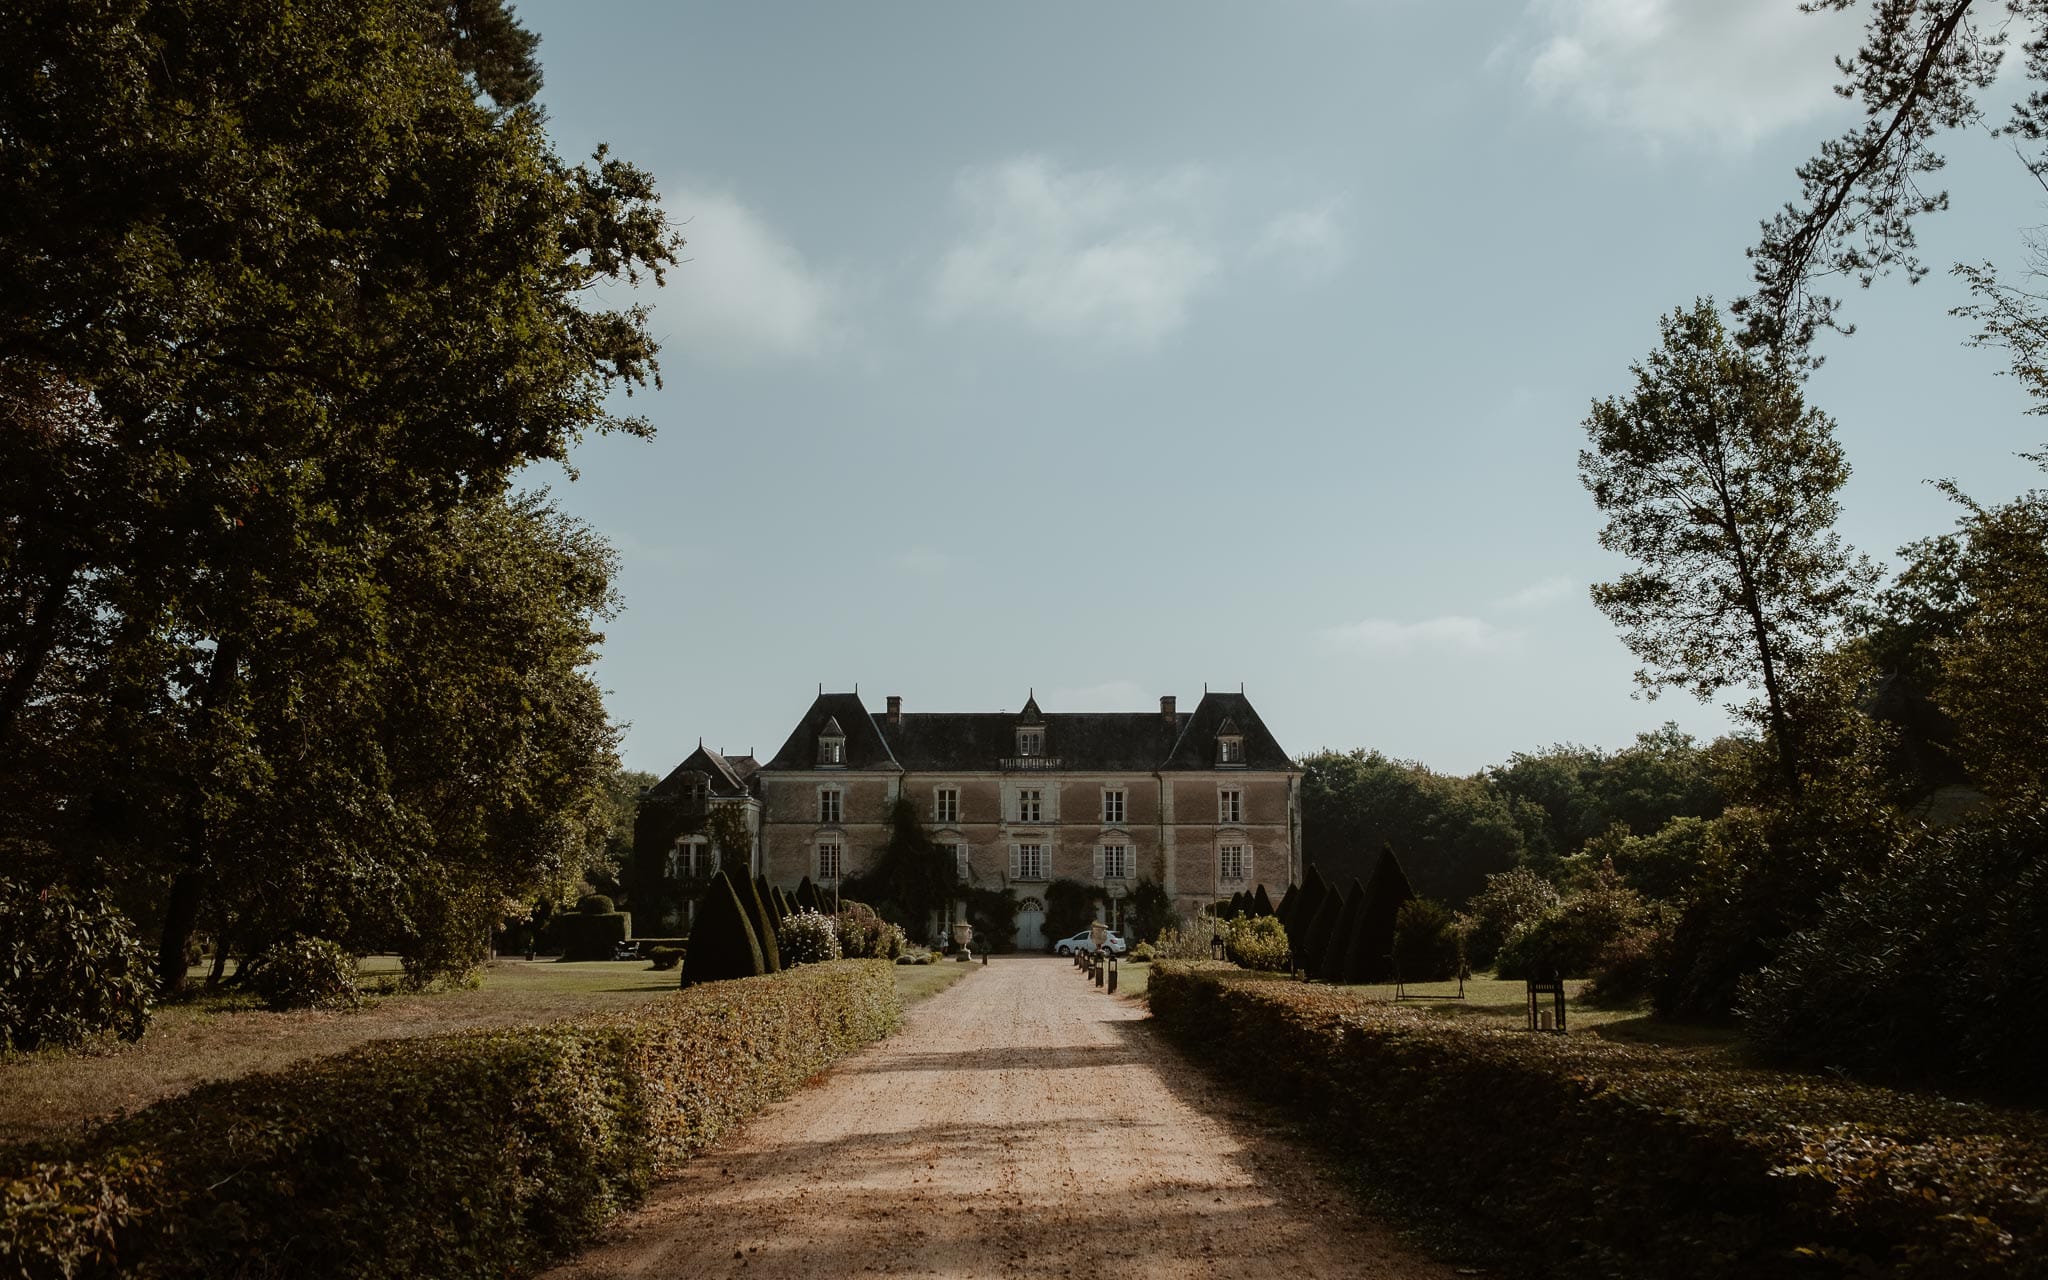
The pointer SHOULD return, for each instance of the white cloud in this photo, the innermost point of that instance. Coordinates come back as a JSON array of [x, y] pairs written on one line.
[[1087, 254], [1311, 240], [1726, 71], [1455, 633], [1539, 594], [1111, 695], [745, 294], [924, 561]]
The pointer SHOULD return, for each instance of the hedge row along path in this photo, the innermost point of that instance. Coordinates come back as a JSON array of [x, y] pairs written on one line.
[[1021, 1124]]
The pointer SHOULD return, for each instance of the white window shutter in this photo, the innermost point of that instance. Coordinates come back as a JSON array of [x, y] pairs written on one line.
[[1249, 877], [1016, 871], [1098, 862]]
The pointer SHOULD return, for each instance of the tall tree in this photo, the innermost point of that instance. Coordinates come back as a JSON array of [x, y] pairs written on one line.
[[1719, 482], [294, 286]]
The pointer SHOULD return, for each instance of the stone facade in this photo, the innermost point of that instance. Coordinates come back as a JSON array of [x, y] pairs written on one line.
[[1205, 803]]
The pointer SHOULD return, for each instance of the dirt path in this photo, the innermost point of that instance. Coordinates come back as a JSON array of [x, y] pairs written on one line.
[[1022, 1124]]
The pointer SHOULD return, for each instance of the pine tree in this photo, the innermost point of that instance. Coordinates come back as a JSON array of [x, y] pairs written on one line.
[[722, 944]]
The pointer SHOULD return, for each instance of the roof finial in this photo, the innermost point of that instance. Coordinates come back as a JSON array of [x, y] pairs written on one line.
[[1240, 688]]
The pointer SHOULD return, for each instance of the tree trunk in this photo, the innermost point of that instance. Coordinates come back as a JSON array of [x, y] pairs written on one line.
[[181, 913], [40, 642]]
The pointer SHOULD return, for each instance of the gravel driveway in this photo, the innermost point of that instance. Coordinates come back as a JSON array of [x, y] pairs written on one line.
[[1021, 1124]]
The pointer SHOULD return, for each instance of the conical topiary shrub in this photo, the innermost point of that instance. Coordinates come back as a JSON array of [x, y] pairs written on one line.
[[1316, 941], [1286, 904], [766, 892], [785, 906], [1313, 890], [1385, 894], [807, 897], [1261, 904], [1341, 963], [722, 942], [764, 924]]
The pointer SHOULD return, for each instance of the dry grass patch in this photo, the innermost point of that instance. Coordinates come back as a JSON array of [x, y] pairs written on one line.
[[58, 1094]]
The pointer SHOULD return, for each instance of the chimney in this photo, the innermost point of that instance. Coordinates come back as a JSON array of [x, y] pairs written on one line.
[[895, 709], [1166, 708]]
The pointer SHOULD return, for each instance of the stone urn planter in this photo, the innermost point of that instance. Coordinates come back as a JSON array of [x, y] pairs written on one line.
[[963, 933]]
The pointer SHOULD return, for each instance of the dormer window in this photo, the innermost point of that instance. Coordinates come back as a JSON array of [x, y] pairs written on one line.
[[694, 792], [1030, 742], [1229, 743], [832, 744]]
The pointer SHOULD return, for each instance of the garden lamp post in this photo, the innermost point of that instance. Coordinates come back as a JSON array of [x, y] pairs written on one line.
[[1216, 946]]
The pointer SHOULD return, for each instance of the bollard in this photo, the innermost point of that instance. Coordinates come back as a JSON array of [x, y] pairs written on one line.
[[1112, 973], [1098, 971]]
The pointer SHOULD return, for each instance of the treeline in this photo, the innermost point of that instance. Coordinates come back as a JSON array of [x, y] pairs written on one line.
[[1536, 810], [293, 295]]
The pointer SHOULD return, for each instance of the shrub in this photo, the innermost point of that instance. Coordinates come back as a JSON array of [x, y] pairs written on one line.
[[1510, 899], [1257, 942], [583, 936], [1571, 938], [1182, 942], [1931, 966], [70, 967], [1627, 968], [1425, 942], [927, 957], [481, 1154], [305, 973], [722, 945], [1370, 954], [1142, 954], [595, 904], [864, 935], [809, 938], [1628, 1160], [1146, 910], [1331, 960], [663, 958]]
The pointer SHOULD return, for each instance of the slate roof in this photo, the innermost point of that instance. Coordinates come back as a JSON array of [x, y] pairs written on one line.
[[1197, 746], [726, 778], [865, 748], [1086, 741]]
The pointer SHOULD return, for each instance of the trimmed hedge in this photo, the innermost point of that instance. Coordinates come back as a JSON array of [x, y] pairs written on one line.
[[1630, 1160], [589, 936], [486, 1153]]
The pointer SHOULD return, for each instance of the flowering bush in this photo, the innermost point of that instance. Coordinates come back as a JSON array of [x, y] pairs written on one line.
[[808, 937]]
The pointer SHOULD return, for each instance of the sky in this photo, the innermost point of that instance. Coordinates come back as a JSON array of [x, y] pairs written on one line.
[[1112, 351]]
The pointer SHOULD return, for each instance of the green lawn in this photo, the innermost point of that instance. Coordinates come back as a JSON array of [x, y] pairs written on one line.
[[915, 982]]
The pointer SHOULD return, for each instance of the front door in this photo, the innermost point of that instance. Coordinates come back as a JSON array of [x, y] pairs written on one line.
[[1031, 925]]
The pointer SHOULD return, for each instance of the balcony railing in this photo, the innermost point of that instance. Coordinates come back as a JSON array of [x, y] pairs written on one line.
[[1029, 764]]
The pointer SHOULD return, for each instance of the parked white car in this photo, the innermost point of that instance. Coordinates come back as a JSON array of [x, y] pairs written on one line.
[[1085, 941]]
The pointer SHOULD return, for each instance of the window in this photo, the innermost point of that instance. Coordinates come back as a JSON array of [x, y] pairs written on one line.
[[828, 860], [1230, 750], [1116, 862], [1113, 806], [1230, 805], [1030, 742], [946, 810], [691, 858], [693, 795], [1232, 861], [832, 749], [1031, 862], [1030, 805], [959, 852], [828, 805]]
